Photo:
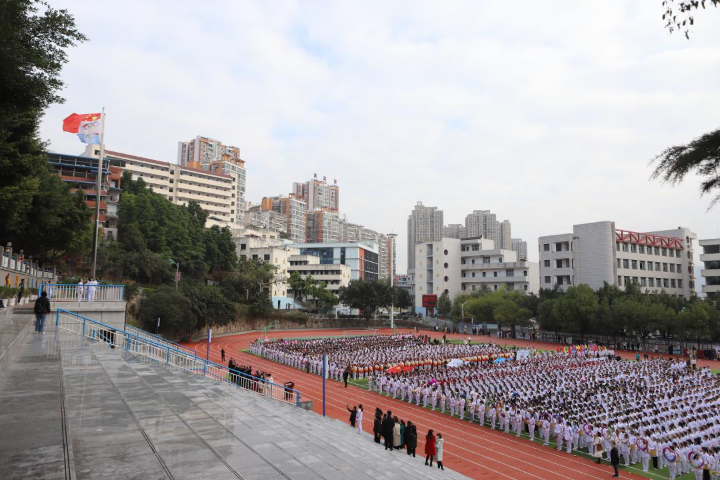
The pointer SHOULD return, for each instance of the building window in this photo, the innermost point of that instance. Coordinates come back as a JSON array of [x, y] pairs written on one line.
[[666, 283], [495, 287], [617, 246], [665, 267], [547, 263], [641, 248], [671, 252], [657, 250], [619, 263], [266, 257], [524, 273], [445, 252], [664, 252], [462, 261], [672, 282], [446, 265], [626, 263], [627, 280], [634, 265], [473, 287], [525, 288], [672, 266], [679, 283], [509, 272], [546, 248], [484, 274], [651, 282], [243, 246], [642, 265], [625, 247], [473, 274], [500, 260], [472, 261], [643, 281], [657, 266], [462, 274], [633, 248], [494, 274], [547, 279]]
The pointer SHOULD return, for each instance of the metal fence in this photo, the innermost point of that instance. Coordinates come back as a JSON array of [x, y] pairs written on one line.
[[169, 354], [158, 339], [84, 293]]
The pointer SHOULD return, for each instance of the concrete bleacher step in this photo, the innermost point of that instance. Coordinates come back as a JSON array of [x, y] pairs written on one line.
[[77, 409], [303, 435]]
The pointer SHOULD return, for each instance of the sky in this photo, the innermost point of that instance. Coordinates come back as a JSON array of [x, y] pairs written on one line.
[[546, 113]]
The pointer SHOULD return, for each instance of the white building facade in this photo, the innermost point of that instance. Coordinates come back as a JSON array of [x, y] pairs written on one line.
[[710, 256], [596, 253], [425, 224], [456, 266]]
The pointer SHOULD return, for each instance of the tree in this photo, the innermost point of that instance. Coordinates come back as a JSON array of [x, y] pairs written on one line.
[[575, 309], [402, 298], [325, 299], [701, 156], [366, 295], [32, 53], [209, 305], [219, 249], [509, 312], [249, 284], [177, 320], [300, 286], [679, 15], [444, 305]]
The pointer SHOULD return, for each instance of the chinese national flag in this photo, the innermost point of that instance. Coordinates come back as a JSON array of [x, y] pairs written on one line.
[[72, 123]]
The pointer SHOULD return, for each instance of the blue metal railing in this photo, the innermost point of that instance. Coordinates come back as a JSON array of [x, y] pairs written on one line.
[[159, 339], [170, 355], [68, 292]]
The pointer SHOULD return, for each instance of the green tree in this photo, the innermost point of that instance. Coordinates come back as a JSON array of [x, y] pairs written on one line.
[[444, 305], [509, 312], [219, 249], [325, 299], [575, 309], [366, 295], [208, 303], [301, 286], [177, 320], [34, 39], [402, 298], [249, 285]]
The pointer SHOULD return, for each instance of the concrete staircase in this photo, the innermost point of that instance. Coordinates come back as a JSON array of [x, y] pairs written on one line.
[[70, 408]]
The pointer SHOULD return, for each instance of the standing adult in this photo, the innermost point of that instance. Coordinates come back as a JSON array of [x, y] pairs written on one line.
[[353, 414], [377, 425], [359, 418], [22, 289], [80, 290], [91, 292], [411, 438], [42, 308], [222, 354], [429, 447], [615, 459], [388, 426], [396, 434], [439, 451], [597, 447], [346, 375]]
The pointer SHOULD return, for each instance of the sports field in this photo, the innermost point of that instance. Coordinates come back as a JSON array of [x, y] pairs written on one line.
[[478, 452]]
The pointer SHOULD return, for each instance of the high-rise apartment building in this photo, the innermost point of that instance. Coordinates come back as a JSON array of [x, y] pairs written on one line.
[[216, 193], [454, 230], [322, 226], [710, 257], [207, 154], [596, 253], [318, 194], [256, 217], [350, 232], [425, 224], [520, 247], [483, 223], [294, 210], [505, 235]]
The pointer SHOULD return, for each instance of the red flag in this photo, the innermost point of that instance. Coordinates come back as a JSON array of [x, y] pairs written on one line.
[[72, 123]]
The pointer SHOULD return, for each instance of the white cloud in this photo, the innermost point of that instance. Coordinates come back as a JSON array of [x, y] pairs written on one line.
[[546, 113]]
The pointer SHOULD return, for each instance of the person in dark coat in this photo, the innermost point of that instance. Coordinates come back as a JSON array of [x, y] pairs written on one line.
[[41, 309], [615, 459], [377, 426], [346, 375], [429, 447], [410, 438], [353, 414], [388, 425]]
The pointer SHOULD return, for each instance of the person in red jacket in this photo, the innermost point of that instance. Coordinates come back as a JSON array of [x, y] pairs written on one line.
[[429, 447]]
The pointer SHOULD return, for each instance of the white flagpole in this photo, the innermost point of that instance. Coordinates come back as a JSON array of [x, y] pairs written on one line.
[[96, 235]]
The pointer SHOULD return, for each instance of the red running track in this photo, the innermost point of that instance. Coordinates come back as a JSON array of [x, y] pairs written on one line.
[[475, 451]]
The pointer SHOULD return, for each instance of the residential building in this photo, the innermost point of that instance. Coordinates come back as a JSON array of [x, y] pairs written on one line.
[[318, 194], [454, 230], [458, 266], [596, 253], [265, 219], [350, 232], [80, 173], [322, 226], [294, 210], [361, 257], [216, 193], [483, 223], [519, 246], [207, 154], [279, 256], [407, 282], [425, 224], [505, 236], [710, 257]]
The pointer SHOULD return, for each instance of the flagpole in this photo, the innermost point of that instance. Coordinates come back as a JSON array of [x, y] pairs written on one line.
[[96, 234]]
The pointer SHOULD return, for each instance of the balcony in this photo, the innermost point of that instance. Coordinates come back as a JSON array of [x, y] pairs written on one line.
[[711, 272], [710, 257]]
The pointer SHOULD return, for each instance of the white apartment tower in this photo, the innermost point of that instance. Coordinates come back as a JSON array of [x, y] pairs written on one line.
[[318, 194], [520, 247], [483, 223], [454, 230], [596, 253], [425, 224], [207, 154]]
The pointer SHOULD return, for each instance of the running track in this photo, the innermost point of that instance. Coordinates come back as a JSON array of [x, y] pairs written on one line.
[[475, 451]]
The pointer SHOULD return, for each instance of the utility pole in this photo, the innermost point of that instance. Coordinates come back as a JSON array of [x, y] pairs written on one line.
[[98, 187]]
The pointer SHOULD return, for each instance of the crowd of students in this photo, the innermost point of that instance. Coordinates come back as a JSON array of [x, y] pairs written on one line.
[[655, 412]]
